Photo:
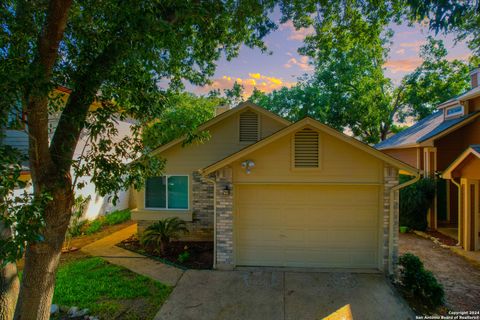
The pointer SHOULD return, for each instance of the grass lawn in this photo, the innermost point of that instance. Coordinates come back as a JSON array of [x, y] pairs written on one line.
[[109, 291]]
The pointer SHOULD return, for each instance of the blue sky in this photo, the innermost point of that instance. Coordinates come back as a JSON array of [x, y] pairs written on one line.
[[268, 72]]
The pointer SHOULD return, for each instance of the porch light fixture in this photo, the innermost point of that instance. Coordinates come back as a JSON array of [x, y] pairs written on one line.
[[248, 165], [227, 190]]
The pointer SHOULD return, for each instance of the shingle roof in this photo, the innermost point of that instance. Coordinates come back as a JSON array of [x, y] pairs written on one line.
[[413, 133], [475, 147], [423, 130]]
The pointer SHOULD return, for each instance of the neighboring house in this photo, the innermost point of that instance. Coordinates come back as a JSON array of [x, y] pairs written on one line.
[[15, 135], [444, 144], [272, 193]]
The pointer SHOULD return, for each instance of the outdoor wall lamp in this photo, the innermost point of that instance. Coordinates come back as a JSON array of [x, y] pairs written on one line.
[[227, 190], [248, 165]]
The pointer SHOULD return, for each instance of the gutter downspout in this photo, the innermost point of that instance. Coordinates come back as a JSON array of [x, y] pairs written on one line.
[[459, 186], [392, 205], [214, 220]]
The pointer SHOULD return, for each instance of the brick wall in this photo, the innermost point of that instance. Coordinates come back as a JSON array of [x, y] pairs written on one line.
[[390, 179], [225, 259]]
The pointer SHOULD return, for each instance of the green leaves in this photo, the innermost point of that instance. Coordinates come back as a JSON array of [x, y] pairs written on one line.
[[21, 216], [182, 115], [436, 80]]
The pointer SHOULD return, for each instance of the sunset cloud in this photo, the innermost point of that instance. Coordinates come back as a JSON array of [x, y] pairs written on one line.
[[296, 35], [403, 65], [302, 63], [400, 51], [255, 80], [412, 45]]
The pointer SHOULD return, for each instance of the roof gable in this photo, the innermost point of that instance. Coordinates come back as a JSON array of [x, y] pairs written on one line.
[[309, 122], [473, 150], [239, 108]]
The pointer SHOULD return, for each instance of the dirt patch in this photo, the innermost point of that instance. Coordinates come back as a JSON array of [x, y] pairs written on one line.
[[201, 252], [83, 240], [446, 240], [460, 279]]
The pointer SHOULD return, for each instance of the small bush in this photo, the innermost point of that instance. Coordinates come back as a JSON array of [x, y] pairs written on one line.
[[117, 217], [94, 226], [184, 256], [160, 233], [415, 200], [420, 282]]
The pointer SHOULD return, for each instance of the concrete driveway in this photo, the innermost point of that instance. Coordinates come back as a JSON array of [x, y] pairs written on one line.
[[276, 295]]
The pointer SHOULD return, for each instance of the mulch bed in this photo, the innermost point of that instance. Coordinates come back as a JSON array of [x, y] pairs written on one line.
[[201, 252], [442, 238]]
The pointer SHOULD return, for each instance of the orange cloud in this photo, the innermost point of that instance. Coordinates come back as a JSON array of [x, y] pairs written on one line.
[[296, 35], [413, 45], [302, 63], [403, 65], [255, 80]]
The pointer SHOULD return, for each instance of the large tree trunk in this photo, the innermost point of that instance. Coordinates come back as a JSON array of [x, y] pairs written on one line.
[[42, 258], [9, 283]]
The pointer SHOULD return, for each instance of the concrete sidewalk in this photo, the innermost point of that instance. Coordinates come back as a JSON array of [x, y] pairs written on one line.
[[106, 249]]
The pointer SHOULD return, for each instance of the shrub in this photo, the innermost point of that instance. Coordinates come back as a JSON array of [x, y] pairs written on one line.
[[420, 282], [117, 217], [415, 200], [94, 226], [184, 256], [160, 233]]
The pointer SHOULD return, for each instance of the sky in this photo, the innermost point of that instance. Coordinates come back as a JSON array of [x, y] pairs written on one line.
[[284, 65]]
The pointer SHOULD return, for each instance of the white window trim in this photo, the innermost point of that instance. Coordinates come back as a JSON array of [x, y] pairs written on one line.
[[461, 112], [166, 193]]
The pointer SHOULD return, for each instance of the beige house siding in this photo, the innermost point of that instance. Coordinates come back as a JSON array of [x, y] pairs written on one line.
[[339, 163], [187, 160], [223, 142]]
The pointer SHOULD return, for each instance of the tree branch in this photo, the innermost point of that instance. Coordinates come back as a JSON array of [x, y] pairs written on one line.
[[37, 105], [72, 121]]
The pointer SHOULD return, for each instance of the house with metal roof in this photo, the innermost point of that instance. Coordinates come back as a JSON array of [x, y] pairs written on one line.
[[446, 145]]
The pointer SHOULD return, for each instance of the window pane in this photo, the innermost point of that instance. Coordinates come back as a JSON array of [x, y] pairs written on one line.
[[155, 194], [178, 192]]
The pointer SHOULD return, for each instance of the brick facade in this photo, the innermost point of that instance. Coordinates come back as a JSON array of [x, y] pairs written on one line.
[[224, 243], [390, 180]]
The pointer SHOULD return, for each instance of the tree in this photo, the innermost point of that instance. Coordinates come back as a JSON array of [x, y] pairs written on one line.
[[436, 80], [460, 18], [349, 89], [302, 100], [182, 114], [112, 53], [230, 97]]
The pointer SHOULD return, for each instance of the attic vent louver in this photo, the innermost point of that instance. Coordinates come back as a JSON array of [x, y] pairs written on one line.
[[248, 126], [306, 149]]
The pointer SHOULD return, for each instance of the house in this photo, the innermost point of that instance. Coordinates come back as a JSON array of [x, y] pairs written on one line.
[[444, 145], [15, 135], [272, 193]]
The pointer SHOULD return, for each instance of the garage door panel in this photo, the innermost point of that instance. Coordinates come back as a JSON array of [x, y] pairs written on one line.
[[307, 226]]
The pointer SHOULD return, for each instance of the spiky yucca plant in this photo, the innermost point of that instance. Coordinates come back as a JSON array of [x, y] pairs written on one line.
[[160, 233]]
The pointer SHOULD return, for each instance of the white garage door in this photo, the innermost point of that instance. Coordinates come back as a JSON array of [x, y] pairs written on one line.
[[307, 226]]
